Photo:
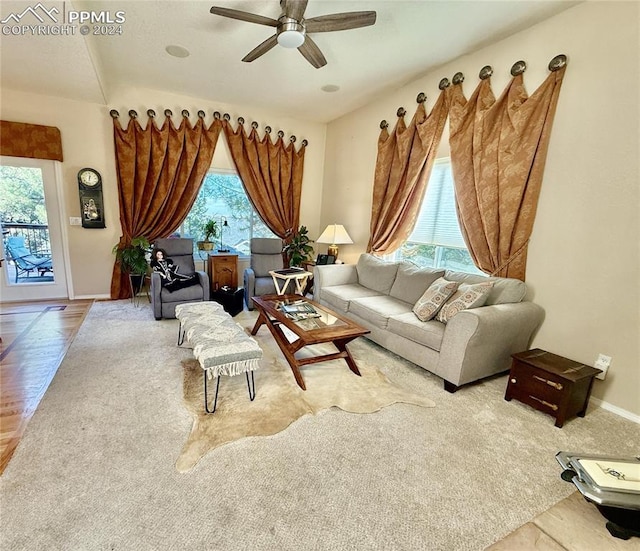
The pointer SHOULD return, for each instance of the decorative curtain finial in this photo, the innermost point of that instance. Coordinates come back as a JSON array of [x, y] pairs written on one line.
[[558, 62], [305, 143], [151, 113], [292, 139], [458, 78], [383, 124], [280, 134], [133, 114], [518, 68], [254, 125], [114, 114], [226, 117], [201, 114], [444, 83], [267, 129], [168, 113], [400, 112], [485, 72], [216, 115], [240, 120], [185, 113], [422, 97]]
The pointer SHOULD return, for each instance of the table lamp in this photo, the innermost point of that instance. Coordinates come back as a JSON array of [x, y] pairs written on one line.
[[335, 234]]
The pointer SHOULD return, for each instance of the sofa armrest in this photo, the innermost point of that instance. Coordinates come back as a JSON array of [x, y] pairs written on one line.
[[204, 281], [249, 280], [479, 342], [333, 274], [156, 300]]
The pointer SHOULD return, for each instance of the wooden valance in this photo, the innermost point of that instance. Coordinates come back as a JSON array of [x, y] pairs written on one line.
[[18, 139]]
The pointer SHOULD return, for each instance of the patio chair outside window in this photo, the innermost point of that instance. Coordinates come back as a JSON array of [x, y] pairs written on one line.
[[24, 260]]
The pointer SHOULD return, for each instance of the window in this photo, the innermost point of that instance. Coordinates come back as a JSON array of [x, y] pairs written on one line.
[[223, 197], [436, 240]]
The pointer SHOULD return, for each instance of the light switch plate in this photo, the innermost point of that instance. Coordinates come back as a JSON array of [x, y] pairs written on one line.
[[75, 221]]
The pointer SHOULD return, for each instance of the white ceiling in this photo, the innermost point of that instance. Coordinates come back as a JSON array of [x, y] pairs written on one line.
[[409, 39]]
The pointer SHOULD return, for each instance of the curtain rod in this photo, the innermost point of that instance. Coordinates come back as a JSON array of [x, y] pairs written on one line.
[[201, 114], [519, 67]]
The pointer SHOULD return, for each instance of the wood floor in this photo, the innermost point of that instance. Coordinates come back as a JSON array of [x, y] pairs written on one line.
[[35, 338]]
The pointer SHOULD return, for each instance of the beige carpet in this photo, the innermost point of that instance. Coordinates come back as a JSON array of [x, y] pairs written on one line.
[[96, 467], [279, 400]]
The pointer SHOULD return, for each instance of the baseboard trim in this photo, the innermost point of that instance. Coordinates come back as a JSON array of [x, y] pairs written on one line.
[[615, 409], [95, 297]]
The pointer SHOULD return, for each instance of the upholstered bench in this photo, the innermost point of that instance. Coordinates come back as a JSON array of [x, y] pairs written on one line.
[[219, 344]]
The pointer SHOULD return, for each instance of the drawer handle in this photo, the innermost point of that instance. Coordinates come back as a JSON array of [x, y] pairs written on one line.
[[555, 385], [543, 402], [513, 380]]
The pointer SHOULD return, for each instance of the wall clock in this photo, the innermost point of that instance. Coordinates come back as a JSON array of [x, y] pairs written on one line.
[[91, 203]]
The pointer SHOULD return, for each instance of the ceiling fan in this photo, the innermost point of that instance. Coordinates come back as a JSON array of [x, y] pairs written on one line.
[[292, 30]]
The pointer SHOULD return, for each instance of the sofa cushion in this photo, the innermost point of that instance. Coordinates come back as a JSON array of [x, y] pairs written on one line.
[[376, 274], [466, 297], [505, 290], [411, 281], [427, 333], [377, 310], [434, 298], [340, 295]]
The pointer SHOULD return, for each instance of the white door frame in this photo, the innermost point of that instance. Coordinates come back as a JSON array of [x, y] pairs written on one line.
[[61, 287]]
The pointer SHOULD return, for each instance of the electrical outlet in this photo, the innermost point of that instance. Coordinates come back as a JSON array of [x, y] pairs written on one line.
[[603, 362]]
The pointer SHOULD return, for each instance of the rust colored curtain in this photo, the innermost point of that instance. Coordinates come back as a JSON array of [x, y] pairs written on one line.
[[498, 153], [160, 172], [271, 174], [18, 139], [404, 163]]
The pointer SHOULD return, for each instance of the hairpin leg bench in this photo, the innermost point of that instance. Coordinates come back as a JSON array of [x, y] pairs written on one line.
[[220, 345]]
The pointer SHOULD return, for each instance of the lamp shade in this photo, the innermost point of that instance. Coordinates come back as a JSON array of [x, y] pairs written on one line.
[[335, 234]]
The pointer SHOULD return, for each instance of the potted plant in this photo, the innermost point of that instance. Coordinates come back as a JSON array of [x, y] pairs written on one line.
[[133, 259], [210, 230], [298, 249]]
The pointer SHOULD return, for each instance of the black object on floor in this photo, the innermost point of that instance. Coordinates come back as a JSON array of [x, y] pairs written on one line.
[[230, 298]]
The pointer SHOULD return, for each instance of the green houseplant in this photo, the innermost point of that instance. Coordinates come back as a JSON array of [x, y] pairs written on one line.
[[210, 230], [298, 250], [133, 259]]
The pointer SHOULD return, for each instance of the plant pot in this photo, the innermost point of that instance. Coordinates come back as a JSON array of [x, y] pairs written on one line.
[[205, 245]]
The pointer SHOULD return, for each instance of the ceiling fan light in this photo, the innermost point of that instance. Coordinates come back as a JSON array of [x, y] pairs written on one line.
[[291, 39]]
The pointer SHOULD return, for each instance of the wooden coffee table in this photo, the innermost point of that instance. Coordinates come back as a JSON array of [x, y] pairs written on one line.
[[329, 326]]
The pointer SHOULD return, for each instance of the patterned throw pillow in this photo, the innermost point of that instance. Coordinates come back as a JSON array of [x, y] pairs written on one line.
[[433, 298], [466, 297]]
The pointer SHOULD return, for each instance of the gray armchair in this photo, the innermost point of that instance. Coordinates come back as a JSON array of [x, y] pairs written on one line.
[[164, 302], [266, 255]]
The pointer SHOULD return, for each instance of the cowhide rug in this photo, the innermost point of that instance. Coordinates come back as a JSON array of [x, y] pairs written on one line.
[[279, 400]]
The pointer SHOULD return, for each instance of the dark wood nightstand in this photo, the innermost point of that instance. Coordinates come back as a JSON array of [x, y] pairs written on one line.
[[551, 384]]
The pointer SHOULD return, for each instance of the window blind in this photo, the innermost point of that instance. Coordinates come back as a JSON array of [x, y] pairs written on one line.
[[438, 221]]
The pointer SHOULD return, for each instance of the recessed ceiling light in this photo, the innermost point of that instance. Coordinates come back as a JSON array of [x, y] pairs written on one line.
[[177, 51], [330, 88]]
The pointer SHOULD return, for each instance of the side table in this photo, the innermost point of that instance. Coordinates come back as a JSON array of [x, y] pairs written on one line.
[[230, 298], [552, 384], [290, 274]]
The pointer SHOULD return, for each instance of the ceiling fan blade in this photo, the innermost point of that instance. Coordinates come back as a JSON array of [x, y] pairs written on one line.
[[244, 16], [312, 53], [294, 8], [340, 21], [261, 49]]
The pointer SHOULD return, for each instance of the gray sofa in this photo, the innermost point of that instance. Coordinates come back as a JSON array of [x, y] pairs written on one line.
[[473, 344]]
